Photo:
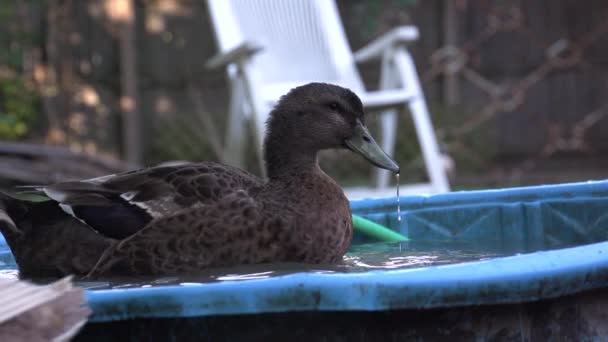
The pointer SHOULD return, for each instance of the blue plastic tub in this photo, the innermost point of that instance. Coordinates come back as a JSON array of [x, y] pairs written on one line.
[[555, 236]]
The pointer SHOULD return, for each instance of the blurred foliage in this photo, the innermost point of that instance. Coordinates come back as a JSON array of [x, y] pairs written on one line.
[[19, 108], [181, 137], [178, 137], [19, 102], [369, 18]]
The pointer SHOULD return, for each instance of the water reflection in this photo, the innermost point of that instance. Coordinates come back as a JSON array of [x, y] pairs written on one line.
[[259, 275], [9, 273]]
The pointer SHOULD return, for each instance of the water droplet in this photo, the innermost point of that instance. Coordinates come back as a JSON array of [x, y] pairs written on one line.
[[398, 202]]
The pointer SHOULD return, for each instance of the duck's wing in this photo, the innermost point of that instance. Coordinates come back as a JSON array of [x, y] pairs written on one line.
[[232, 230], [119, 205]]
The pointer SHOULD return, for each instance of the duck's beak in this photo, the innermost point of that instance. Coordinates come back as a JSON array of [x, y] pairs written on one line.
[[363, 143]]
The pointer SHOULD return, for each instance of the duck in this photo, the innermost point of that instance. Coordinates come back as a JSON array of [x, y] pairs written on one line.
[[182, 219]]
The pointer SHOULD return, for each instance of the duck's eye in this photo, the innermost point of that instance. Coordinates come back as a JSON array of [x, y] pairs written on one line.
[[333, 106]]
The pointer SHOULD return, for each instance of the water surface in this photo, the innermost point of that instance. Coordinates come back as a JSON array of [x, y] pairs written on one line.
[[360, 258]]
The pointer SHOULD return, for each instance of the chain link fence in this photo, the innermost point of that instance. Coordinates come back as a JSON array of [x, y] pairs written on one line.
[[517, 89], [550, 58]]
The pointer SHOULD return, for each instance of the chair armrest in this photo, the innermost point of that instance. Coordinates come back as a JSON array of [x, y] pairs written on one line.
[[375, 48], [236, 54]]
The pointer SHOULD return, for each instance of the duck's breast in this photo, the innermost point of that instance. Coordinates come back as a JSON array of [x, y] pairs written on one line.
[[324, 222]]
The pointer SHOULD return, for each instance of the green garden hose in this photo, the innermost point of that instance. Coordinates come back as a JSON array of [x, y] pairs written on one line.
[[377, 231]]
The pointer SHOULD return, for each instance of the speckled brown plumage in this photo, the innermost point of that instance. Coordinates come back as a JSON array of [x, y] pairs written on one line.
[[185, 218]]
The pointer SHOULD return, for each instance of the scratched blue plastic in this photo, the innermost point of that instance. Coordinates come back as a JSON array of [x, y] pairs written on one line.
[[560, 230]]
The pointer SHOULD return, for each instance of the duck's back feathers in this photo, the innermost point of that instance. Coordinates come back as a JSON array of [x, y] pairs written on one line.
[[118, 206], [228, 232]]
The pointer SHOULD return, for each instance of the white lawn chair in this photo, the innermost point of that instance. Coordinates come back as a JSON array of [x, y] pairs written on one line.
[[271, 46]]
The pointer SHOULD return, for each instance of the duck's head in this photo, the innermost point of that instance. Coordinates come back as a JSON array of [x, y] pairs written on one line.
[[319, 116]]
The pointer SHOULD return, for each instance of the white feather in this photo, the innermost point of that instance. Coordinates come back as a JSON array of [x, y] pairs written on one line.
[[128, 196], [58, 196], [68, 210], [100, 180]]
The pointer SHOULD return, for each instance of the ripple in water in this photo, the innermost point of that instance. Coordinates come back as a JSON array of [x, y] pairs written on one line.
[[385, 256]]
